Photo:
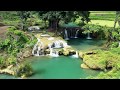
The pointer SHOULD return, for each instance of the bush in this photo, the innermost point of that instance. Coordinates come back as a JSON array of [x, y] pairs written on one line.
[[11, 60], [2, 62], [114, 45], [24, 70]]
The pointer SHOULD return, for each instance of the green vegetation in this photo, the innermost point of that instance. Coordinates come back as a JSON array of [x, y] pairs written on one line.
[[104, 60], [102, 15], [24, 70], [16, 41], [104, 23], [103, 18]]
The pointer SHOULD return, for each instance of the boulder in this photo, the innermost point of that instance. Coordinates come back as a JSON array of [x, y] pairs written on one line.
[[34, 28], [68, 51]]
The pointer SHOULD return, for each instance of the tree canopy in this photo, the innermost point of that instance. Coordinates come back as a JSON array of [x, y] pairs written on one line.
[[55, 16]]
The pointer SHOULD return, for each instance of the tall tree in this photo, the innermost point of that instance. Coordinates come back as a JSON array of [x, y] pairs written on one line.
[[117, 19], [55, 16], [24, 15]]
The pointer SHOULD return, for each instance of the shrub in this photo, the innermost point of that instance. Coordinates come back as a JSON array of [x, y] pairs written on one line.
[[24, 70], [114, 45]]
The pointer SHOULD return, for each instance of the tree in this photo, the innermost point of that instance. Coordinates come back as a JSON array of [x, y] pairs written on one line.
[[55, 16], [117, 19], [24, 15]]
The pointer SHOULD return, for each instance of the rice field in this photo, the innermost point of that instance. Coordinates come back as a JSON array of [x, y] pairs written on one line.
[[103, 18], [103, 23]]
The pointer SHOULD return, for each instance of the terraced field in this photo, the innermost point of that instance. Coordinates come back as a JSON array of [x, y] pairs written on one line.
[[103, 18]]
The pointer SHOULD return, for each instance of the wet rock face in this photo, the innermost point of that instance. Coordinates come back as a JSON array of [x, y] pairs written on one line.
[[72, 52], [60, 53], [68, 51], [47, 51]]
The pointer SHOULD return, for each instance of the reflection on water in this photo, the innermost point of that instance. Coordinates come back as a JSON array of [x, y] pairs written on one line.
[[85, 45]]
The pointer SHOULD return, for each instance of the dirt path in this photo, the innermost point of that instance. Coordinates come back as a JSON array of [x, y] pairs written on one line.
[[3, 30]]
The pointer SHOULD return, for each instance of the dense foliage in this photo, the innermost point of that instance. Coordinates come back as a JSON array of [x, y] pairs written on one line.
[[24, 70], [15, 42], [54, 17], [108, 61]]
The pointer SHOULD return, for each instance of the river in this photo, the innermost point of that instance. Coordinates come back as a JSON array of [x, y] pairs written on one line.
[[62, 67]]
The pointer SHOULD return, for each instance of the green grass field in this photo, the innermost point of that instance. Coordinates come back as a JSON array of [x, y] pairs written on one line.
[[102, 15], [103, 18], [103, 23]]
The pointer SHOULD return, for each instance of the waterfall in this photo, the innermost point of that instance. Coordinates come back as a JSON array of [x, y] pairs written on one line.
[[38, 52], [37, 48], [76, 34], [88, 37], [66, 35], [57, 44], [60, 44], [76, 55], [53, 54], [34, 48], [72, 34]]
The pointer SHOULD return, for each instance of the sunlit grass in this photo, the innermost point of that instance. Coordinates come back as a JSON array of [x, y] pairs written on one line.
[[103, 23]]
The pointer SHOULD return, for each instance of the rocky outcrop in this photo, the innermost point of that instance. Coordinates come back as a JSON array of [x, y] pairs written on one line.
[[81, 54], [84, 66], [94, 62], [7, 70], [67, 51], [100, 60]]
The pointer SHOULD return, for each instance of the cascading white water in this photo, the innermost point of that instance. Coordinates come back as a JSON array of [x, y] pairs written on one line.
[[66, 35], [38, 52], [76, 34], [57, 44], [76, 55], [37, 48], [34, 48], [88, 37], [60, 44], [53, 54], [64, 43]]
